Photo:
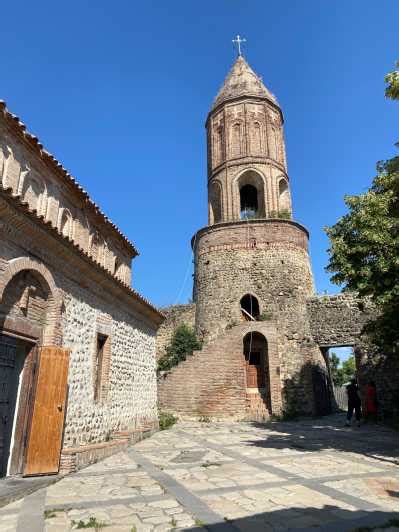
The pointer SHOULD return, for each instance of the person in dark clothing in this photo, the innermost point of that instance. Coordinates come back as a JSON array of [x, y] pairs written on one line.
[[354, 403]]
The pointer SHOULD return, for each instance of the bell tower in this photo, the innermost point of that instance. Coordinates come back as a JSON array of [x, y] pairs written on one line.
[[252, 272], [247, 169], [251, 255]]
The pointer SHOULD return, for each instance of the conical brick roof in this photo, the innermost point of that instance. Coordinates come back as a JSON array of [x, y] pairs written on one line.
[[242, 81]]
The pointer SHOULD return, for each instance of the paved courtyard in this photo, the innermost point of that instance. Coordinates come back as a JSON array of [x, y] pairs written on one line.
[[227, 477]]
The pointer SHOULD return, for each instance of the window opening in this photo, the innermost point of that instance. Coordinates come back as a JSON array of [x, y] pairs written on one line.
[[101, 341], [249, 308]]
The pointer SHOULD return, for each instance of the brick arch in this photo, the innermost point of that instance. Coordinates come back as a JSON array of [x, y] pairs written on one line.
[[284, 198], [51, 334], [268, 330], [253, 177], [215, 194]]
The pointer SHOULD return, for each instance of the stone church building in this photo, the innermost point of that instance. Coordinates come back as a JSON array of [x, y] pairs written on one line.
[[77, 343], [265, 332]]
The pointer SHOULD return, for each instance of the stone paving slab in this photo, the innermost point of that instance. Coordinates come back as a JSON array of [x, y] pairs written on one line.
[[225, 477]]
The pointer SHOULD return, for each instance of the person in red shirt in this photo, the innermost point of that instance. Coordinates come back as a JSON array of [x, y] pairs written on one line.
[[371, 402]]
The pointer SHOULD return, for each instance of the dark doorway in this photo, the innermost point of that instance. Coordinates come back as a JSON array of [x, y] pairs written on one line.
[[248, 202], [13, 353], [256, 360], [321, 391], [249, 307]]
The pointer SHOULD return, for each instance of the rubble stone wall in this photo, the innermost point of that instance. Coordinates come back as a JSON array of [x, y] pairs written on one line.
[[337, 320], [89, 303], [175, 315]]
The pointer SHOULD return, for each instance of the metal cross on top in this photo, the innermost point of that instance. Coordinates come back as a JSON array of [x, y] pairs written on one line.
[[238, 41]]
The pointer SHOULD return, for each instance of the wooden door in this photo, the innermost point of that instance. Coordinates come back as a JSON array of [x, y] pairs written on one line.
[[45, 437], [255, 372], [8, 392]]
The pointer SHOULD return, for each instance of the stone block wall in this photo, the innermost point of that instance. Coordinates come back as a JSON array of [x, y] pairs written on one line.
[[175, 315], [337, 320]]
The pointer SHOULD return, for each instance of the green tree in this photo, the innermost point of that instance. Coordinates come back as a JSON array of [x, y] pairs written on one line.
[[392, 81], [334, 369], [364, 245], [182, 345], [348, 369], [343, 374]]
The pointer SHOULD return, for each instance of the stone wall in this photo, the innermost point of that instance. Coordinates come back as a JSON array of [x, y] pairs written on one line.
[[267, 259], [175, 315], [87, 301], [131, 399], [337, 320]]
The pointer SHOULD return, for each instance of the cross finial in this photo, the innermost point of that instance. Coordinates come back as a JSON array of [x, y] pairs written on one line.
[[238, 42]]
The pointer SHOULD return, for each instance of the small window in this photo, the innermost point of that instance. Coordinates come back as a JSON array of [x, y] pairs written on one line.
[[249, 308], [101, 373]]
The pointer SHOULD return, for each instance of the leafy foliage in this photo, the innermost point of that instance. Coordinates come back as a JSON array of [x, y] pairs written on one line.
[[284, 214], [364, 252], [166, 420], [91, 523], [344, 374], [392, 80], [182, 345]]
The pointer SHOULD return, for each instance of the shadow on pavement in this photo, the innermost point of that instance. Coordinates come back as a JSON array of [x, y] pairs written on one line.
[[326, 519], [374, 441]]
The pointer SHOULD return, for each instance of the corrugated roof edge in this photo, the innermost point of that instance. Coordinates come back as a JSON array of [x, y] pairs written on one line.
[[40, 218], [44, 154]]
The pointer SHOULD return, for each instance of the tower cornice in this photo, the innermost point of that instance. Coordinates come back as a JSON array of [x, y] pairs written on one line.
[[243, 99]]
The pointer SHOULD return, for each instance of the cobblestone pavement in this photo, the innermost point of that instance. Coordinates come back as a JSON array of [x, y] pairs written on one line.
[[227, 477]]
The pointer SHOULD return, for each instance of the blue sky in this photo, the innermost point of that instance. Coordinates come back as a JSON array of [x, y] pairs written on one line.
[[119, 93]]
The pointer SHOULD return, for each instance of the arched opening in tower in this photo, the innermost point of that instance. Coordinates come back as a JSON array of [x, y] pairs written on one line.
[[215, 203], [249, 308], [248, 202], [284, 203], [256, 360]]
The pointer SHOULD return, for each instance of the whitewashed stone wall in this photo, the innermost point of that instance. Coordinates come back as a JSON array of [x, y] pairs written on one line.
[[132, 395]]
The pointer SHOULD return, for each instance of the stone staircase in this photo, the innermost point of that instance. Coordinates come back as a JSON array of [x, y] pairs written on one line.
[[212, 382]]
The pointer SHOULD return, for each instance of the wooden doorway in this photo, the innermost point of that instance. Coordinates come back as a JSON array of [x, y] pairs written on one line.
[[256, 360], [15, 387]]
